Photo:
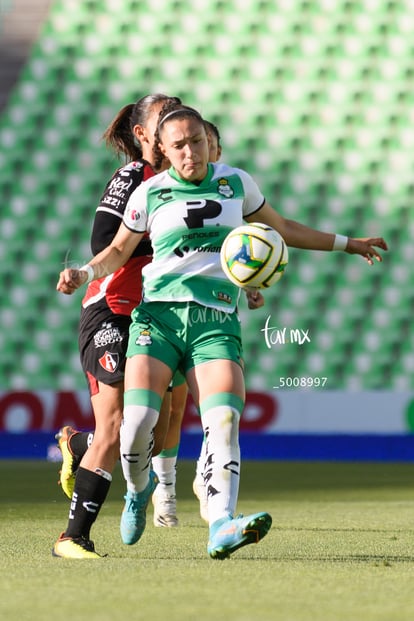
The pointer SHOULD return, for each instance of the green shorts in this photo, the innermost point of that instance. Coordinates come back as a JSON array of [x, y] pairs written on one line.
[[184, 334], [177, 380]]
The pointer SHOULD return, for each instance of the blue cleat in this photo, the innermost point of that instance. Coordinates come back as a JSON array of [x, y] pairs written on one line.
[[228, 535], [133, 519]]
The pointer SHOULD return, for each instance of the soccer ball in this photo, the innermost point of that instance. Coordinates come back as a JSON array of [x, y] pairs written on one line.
[[254, 256]]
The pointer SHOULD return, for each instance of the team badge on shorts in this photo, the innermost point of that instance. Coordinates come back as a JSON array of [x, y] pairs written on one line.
[[144, 338], [109, 361]]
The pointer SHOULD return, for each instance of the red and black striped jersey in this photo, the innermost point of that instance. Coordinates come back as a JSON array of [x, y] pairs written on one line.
[[122, 290]]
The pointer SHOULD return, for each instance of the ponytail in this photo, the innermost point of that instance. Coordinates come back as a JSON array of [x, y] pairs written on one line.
[[119, 135]]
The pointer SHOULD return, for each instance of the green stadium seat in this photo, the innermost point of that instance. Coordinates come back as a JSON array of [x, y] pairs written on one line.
[[313, 101]]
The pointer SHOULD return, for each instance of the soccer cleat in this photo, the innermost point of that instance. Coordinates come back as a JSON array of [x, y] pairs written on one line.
[[133, 518], [228, 535], [165, 509], [70, 462], [77, 548], [200, 492]]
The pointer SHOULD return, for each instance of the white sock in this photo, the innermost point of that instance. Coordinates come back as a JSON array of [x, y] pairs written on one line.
[[201, 461], [222, 467], [137, 440], [165, 467]]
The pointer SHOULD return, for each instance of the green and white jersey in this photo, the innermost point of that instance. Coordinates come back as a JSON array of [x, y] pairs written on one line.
[[187, 224]]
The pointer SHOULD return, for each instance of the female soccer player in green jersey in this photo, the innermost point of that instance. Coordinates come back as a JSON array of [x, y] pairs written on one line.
[[188, 320]]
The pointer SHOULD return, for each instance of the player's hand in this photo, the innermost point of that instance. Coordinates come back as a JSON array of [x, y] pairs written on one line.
[[70, 280], [254, 298], [366, 247]]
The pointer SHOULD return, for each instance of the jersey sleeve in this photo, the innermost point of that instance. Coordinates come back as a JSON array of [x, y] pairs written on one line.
[[136, 214], [254, 198], [112, 204]]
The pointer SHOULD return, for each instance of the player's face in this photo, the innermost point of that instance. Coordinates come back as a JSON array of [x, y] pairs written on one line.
[[152, 121], [184, 143], [146, 133], [214, 149]]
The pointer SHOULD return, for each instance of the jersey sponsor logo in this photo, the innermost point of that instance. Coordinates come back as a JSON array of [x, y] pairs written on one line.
[[109, 361], [224, 188], [107, 335], [117, 190], [111, 201], [198, 211], [118, 187], [181, 251], [201, 235], [121, 186]]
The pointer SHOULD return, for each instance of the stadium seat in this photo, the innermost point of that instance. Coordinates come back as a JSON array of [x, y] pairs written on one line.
[[312, 99]]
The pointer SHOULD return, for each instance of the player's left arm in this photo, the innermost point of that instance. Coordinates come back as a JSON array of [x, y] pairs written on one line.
[[298, 235]]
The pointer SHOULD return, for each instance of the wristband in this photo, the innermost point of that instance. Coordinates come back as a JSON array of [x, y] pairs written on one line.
[[89, 270], [340, 242]]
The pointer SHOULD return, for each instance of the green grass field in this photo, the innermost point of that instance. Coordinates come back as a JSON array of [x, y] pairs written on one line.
[[341, 549]]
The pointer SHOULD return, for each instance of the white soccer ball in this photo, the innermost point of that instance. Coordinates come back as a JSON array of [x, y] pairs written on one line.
[[254, 256]]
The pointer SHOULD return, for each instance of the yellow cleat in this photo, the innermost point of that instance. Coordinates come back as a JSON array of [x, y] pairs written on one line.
[[69, 462], [78, 548]]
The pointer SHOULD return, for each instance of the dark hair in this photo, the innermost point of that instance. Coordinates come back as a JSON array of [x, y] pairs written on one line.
[[213, 129], [170, 111], [119, 134]]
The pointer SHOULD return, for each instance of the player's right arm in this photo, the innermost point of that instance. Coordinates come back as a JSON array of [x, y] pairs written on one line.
[[112, 258], [115, 254]]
